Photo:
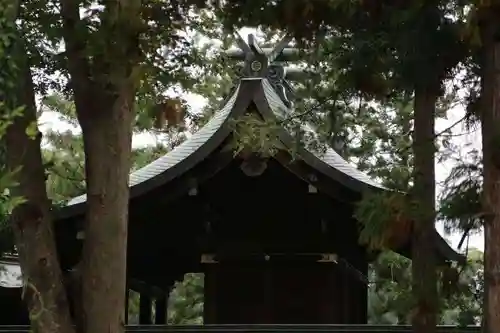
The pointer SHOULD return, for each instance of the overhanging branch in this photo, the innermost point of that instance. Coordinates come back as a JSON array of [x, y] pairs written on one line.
[[78, 66]]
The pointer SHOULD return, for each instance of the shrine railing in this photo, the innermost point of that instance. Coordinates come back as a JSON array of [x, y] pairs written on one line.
[[270, 329]]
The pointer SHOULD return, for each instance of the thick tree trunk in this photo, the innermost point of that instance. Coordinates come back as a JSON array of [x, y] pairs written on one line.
[[490, 126], [423, 261], [104, 84], [31, 221], [107, 138]]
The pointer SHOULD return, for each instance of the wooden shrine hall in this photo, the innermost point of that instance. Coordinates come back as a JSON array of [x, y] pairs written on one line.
[[274, 234]]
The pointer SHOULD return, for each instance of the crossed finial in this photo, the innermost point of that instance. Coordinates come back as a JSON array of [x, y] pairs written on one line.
[[256, 60], [268, 63], [253, 47]]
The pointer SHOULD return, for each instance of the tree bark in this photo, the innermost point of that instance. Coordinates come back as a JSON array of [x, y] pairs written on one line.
[[107, 140], [104, 91], [31, 221], [424, 285], [490, 130]]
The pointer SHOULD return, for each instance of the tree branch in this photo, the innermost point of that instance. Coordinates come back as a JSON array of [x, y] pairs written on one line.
[[78, 65], [450, 127]]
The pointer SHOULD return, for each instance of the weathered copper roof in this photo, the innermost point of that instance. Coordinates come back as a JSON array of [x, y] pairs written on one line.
[[204, 141], [151, 175], [340, 168], [260, 85]]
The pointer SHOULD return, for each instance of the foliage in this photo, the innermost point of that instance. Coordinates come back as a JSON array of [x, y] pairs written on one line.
[[133, 307], [64, 155], [384, 220], [254, 135], [390, 302], [186, 301], [8, 111], [7, 204], [388, 299], [460, 201], [465, 305]]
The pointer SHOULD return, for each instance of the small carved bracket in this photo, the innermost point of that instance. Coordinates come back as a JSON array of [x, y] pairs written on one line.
[[208, 259], [329, 257]]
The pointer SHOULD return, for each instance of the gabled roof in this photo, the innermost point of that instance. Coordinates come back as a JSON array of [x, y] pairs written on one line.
[[263, 82], [211, 135], [192, 151]]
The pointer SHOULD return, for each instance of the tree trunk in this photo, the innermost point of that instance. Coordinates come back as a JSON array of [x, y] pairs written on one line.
[[423, 262], [104, 83], [32, 224], [107, 140], [490, 128]]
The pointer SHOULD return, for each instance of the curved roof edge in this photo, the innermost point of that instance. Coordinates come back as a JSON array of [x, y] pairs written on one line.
[[328, 162], [447, 251], [185, 156], [335, 166], [210, 136]]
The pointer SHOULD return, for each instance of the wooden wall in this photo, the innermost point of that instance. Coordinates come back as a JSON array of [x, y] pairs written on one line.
[[233, 214], [283, 293]]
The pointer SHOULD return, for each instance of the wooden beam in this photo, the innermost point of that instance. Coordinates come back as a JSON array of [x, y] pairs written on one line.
[[145, 288]]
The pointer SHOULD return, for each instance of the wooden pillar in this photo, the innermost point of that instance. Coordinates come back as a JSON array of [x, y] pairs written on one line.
[[349, 295], [161, 310], [362, 287], [327, 288], [210, 294], [330, 297], [127, 299], [358, 290], [268, 296], [145, 304]]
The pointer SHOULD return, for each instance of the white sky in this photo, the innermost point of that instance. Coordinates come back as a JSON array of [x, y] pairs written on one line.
[[50, 120], [443, 169]]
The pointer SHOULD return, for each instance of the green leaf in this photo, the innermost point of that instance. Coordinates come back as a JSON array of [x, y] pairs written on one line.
[[32, 130]]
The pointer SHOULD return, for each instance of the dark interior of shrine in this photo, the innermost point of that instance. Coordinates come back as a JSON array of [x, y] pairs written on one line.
[[263, 235]]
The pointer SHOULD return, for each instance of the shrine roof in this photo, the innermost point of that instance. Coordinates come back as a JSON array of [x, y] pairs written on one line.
[[339, 168], [264, 84], [207, 139]]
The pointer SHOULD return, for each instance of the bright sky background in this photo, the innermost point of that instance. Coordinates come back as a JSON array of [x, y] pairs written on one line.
[[50, 120], [443, 169]]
